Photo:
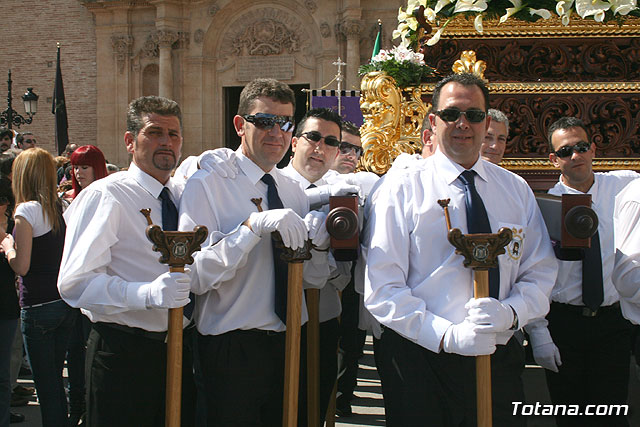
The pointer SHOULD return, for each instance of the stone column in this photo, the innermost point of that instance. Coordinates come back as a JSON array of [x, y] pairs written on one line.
[[165, 40], [351, 29]]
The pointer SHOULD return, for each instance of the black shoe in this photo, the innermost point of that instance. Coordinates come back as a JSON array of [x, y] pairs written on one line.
[[14, 417]]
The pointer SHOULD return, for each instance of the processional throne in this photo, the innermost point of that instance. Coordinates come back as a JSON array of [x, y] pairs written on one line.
[[537, 73]]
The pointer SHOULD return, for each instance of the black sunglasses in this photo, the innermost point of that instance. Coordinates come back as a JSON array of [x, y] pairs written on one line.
[[315, 137], [266, 121], [568, 150], [453, 114], [345, 148]]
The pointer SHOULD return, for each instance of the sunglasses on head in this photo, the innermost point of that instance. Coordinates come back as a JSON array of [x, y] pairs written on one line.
[[568, 150], [315, 137], [346, 148], [453, 114], [266, 121]]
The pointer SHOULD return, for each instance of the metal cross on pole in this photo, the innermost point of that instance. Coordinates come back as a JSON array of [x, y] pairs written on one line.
[[339, 78]]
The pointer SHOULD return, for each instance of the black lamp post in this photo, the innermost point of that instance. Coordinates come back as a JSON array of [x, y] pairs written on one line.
[[10, 117]]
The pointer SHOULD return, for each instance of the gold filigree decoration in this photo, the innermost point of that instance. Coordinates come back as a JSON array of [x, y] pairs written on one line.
[[469, 64], [462, 27], [518, 164], [392, 120]]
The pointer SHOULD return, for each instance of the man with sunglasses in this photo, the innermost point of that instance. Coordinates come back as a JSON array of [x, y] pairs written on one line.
[[350, 149], [417, 287], [583, 344], [25, 140], [238, 277]]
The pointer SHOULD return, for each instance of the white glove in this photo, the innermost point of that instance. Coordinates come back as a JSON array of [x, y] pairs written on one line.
[[169, 290], [221, 161], [547, 355], [489, 314], [463, 338], [319, 196], [318, 234], [291, 227]]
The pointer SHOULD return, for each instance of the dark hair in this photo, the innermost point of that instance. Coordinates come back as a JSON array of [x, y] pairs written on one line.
[[6, 191], [350, 128], [150, 105], [6, 132], [465, 79], [91, 156], [270, 88], [6, 162], [565, 123], [319, 113]]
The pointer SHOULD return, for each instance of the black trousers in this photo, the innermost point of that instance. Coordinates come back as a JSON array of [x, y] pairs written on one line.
[[126, 377], [243, 374], [439, 389], [351, 344], [328, 368], [595, 353]]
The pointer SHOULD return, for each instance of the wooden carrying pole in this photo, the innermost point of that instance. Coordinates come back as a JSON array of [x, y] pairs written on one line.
[[176, 248], [313, 358], [483, 363], [292, 347]]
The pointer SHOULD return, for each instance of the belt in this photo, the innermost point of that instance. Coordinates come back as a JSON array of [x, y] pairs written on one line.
[[586, 311], [156, 336]]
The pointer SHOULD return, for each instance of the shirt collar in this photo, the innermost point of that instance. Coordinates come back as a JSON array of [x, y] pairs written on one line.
[[297, 176], [251, 170], [149, 183], [452, 170]]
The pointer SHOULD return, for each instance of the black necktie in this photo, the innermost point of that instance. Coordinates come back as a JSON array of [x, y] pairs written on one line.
[[592, 290], [478, 222], [170, 223], [280, 267]]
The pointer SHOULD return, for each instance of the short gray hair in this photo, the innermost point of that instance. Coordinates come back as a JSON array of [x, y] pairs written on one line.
[[499, 116]]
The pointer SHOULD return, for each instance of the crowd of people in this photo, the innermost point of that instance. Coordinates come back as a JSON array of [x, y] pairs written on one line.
[[91, 289]]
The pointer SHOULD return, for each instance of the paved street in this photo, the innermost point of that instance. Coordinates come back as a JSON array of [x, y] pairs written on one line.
[[369, 409]]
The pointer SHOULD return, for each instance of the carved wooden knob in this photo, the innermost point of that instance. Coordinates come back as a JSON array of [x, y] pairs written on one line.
[[342, 223]]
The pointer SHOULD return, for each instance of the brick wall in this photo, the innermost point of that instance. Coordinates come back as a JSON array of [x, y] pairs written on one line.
[[29, 50]]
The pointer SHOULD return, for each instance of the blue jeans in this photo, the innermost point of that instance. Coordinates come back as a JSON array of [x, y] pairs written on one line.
[[7, 332], [46, 330]]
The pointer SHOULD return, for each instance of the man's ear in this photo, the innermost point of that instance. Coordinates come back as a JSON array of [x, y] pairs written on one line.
[[554, 159], [238, 124], [294, 144], [129, 139]]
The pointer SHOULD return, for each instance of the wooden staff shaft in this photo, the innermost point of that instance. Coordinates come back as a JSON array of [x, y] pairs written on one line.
[[483, 363], [331, 409], [292, 346], [313, 358], [174, 364]]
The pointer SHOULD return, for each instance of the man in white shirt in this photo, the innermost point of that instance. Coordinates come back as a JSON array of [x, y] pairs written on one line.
[[315, 149], [110, 271], [239, 309], [417, 287], [584, 345], [495, 142]]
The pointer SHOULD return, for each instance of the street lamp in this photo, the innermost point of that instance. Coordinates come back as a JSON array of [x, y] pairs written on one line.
[[10, 117]]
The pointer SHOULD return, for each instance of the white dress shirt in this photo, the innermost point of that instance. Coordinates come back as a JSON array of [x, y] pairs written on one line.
[[329, 305], [233, 274], [626, 272], [568, 286], [107, 256], [416, 284]]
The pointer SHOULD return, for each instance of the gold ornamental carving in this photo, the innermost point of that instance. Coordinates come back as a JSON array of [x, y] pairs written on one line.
[[392, 120], [469, 64]]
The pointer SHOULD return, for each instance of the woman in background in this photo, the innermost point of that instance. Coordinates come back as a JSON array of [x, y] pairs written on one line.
[[34, 255], [88, 165]]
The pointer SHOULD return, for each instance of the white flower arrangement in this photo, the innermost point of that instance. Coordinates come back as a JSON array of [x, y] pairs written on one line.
[[404, 65], [435, 10]]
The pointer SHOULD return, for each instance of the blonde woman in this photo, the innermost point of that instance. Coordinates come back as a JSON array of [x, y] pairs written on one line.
[[34, 253]]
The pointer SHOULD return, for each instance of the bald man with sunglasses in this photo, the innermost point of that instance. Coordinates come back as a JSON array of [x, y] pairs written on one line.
[[417, 287], [584, 344]]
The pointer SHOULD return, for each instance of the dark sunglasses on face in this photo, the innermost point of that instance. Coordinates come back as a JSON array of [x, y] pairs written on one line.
[[346, 148], [266, 121], [453, 114], [315, 137], [568, 150]]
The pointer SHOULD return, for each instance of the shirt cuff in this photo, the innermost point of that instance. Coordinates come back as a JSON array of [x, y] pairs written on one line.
[[432, 331], [137, 293]]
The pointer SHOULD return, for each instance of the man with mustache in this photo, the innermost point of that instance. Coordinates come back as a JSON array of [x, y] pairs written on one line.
[[110, 271], [584, 341]]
